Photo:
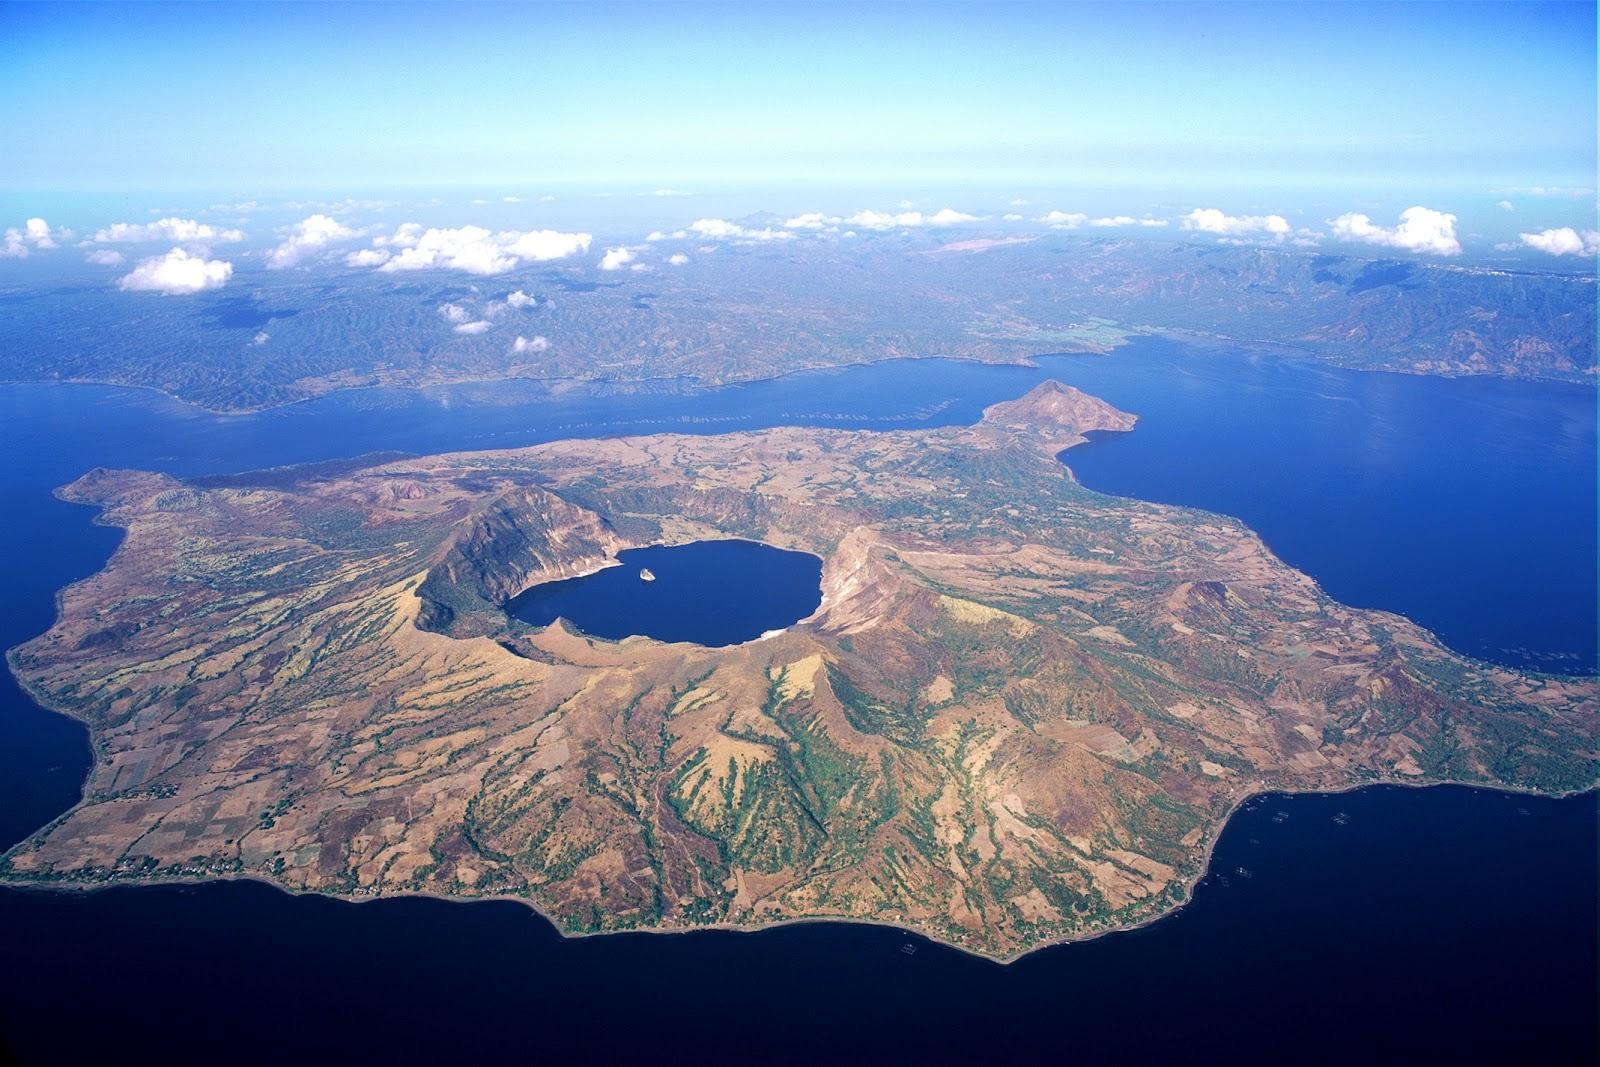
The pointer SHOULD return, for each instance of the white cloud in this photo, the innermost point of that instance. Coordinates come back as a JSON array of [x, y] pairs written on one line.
[[1421, 229], [511, 199], [1065, 220], [1012, 216], [105, 257], [471, 249], [260, 338], [869, 220], [671, 192], [657, 235], [875, 220], [1563, 241], [455, 313], [187, 231], [1558, 192], [406, 235], [347, 204], [530, 344], [616, 258], [35, 233], [810, 220], [718, 229], [883, 220], [177, 273], [1020, 201], [1212, 220], [307, 235], [1127, 220], [539, 246], [678, 260], [473, 327], [1506, 205], [520, 299]]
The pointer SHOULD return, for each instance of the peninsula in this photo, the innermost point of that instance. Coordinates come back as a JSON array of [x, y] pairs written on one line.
[[1020, 715]]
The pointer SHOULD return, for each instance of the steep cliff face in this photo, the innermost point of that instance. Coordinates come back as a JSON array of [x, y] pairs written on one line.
[[862, 586], [519, 537]]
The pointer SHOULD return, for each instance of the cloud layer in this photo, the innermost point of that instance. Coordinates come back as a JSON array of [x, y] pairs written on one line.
[[1421, 229], [878, 220], [176, 273], [187, 231], [307, 235], [471, 249], [1212, 220], [1563, 241], [1064, 220], [1128, 220], [35, 233], [722, 229]]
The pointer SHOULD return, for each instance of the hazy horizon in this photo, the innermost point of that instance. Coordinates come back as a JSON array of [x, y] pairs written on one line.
[[1460, 132]]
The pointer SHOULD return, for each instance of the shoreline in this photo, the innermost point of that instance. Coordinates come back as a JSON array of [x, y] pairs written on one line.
[[608, 386], [695, 383], [169, 881], [1251, 791]]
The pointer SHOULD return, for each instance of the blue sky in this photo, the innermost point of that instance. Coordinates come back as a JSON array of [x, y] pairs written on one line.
[[1171, 98], [1282, 122]]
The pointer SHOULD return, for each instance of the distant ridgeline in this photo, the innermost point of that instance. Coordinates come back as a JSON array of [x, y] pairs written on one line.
[[840, 303]]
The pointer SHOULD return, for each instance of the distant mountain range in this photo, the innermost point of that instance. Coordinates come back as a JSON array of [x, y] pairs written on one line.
[[1388, 314], [736, 313]]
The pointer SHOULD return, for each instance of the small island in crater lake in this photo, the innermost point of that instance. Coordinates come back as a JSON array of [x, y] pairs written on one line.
[[1020, 714], [712, 593]]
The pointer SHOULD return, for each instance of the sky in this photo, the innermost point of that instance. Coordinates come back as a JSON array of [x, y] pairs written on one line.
[[201, 96], [1308, 111]]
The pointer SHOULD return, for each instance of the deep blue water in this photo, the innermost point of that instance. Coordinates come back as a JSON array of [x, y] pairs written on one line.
[[1430, 926], [711, 593], [1467, 505], [1437, 922]]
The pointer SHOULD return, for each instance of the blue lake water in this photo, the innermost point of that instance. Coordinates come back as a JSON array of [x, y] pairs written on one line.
[[1435, 922], [710, 593], [1427, 926], [1467, 505]]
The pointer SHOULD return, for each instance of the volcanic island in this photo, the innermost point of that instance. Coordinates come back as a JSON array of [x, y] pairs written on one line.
[[1020, 715]]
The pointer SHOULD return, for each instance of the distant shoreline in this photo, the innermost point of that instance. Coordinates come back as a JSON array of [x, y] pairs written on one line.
[[618, 386]]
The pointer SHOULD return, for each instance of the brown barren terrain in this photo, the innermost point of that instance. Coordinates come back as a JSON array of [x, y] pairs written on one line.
[[1020, 715]]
